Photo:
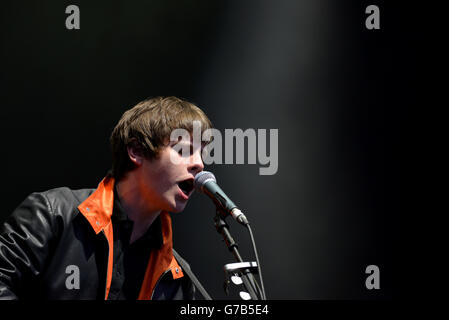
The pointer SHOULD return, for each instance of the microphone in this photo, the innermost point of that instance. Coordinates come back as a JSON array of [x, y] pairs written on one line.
[[206, 183]]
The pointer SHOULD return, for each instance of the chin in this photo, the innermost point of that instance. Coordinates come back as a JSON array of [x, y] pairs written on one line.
[[176, 207]]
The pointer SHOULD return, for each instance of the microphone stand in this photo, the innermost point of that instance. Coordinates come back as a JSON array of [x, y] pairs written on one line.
[[247, 277]]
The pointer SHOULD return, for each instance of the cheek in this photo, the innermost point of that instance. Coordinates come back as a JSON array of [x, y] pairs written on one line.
[[161, 182], [164, 180]]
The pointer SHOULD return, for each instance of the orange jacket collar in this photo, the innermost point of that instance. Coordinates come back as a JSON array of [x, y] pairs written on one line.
[[98, 208]]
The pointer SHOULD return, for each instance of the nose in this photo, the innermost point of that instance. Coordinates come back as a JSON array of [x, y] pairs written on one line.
[[196, 162]]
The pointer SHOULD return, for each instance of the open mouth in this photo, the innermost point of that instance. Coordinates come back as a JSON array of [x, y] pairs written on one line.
[[186, 186]]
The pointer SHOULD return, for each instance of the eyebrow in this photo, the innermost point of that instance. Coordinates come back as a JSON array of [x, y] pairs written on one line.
[[203, 143]]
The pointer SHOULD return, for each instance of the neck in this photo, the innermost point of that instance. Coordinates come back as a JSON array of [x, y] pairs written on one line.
[[135, 205]]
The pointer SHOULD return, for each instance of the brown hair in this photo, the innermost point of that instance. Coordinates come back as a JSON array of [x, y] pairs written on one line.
[[148, 126]]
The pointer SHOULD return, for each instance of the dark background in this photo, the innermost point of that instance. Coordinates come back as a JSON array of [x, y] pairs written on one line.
[[337, 92]]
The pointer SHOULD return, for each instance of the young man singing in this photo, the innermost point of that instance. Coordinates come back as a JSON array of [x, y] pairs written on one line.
[[114, 242]]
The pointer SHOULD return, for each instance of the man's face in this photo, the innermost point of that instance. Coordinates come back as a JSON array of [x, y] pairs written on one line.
[[167, 181]]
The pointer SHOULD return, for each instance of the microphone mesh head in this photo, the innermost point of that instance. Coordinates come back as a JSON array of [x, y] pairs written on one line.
[[201, 178]]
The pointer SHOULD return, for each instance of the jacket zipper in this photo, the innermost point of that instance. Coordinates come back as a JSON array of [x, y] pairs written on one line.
[[157, 283], [107, 266]]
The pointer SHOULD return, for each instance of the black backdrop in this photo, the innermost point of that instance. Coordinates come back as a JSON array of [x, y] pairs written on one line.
[[337, 92]]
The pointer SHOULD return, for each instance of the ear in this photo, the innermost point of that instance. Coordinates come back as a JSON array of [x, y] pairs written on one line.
[[135, 153]]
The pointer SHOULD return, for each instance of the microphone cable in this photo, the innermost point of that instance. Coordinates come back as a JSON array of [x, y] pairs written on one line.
[[264, 297]]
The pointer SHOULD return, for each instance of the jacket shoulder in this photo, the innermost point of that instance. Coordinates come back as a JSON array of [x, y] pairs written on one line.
[[64, 199]]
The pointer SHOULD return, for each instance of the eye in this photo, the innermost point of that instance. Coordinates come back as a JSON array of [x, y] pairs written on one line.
[[180, 151]]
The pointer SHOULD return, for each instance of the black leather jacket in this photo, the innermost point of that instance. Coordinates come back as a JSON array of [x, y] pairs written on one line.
[[47, 235]]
